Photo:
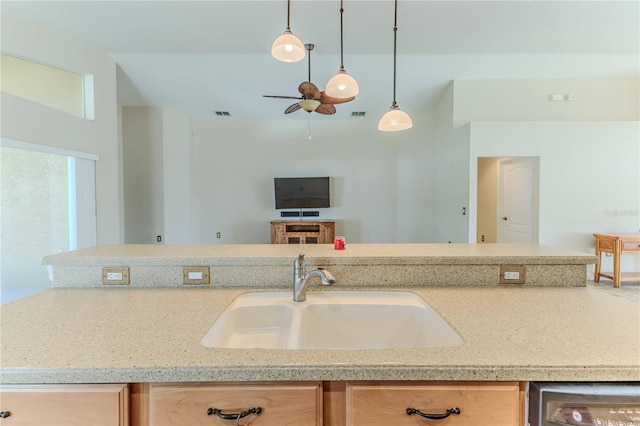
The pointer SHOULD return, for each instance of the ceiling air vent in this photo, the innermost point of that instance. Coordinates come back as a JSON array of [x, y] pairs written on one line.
[[223, 113], [357, 114]]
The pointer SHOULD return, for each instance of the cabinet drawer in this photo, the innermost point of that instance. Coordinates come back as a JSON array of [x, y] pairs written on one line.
[[607, 245], [479, 403], [65, 405], [280, 404], [631, 246]]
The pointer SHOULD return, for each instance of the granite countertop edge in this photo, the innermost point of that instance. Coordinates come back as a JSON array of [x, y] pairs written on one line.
[[317, 373]]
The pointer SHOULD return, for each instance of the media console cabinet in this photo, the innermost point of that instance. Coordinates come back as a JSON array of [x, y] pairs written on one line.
[[289, 232]]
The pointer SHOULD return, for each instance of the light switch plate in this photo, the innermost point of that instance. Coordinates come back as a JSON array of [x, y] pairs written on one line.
[[115, 276], [195, 275], [512, 275]]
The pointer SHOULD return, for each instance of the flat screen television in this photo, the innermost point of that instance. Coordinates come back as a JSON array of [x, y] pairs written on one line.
[[302, 192]]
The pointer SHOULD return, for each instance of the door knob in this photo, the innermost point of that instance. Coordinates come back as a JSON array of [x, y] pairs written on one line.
[[504, 218]]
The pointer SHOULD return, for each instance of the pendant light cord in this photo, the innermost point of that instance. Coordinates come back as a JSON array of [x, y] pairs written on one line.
[[395, 37], [288, 14], [309, 47], [341, 37]]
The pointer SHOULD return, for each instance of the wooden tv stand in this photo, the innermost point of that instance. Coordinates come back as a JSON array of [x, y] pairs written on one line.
[[289, 232]]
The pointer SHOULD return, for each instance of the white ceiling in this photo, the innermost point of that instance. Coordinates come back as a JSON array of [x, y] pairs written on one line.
[[203, 56]]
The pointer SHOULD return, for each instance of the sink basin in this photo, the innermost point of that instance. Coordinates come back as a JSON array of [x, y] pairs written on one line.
[[330, 320]]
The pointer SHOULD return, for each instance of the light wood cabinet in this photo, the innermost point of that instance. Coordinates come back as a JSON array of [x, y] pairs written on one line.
[[265, 404], [334, 403], [463, 403], [65, 405], [285, 232]]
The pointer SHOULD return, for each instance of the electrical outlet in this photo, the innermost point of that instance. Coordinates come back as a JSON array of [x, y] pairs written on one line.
[[118, 276], [114, 276], [512, 275], [195, 275]]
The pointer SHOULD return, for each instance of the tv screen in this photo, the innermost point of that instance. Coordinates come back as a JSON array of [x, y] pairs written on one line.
[[300, 193]]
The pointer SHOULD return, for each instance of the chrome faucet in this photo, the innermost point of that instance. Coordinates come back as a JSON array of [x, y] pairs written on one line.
[[301, 278]]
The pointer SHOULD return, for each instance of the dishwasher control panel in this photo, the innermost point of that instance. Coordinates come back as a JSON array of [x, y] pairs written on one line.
[[595, 416], [584, 404]]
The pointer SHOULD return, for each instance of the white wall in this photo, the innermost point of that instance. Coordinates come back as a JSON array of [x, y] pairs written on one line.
[[451, 174], [415, 177], [27, 121], [528, 100], [589, 177], [143, 172], [176, 156], [195, 178], [233, 166]]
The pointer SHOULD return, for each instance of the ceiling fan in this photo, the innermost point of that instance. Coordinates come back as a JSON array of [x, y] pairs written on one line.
[[312, 99]]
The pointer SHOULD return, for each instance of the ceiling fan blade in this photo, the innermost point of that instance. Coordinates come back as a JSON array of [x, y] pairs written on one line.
[[326, 99], [326, 109], [292, 108], [281, 97], [309, 90]]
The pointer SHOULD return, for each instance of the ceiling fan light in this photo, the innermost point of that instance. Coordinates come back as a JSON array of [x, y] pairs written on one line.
[[309, 105], [395, 120], [342, 85], [288, 48]]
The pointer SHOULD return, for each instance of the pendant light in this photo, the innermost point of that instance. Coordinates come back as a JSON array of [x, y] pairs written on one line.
[[288, 47], [395, 119], [342, 85]]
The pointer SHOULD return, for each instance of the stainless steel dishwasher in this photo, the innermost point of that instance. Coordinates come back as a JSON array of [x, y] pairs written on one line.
[[584, 404]]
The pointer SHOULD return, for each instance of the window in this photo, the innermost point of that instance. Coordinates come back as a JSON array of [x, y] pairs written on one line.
[[63, 90], [47, 201]]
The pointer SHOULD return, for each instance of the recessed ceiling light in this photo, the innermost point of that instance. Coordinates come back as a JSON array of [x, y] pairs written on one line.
[[223, 113]]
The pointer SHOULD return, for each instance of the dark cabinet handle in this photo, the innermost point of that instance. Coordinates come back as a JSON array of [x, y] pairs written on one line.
[[449, 412], [235, 416], [504, 218], [4, 414]]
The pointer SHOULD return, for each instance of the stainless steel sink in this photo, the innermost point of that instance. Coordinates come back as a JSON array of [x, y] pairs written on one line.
[[330, 320]]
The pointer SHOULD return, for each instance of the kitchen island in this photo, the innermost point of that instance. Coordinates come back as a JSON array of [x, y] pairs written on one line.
[[137, 343]]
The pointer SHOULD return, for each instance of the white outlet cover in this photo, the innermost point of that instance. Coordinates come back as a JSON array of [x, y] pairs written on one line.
[[195, 275]]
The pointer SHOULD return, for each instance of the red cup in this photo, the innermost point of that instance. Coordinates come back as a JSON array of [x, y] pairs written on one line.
[[339, 243]]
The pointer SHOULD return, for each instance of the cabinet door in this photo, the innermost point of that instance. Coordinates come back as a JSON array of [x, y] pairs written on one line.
[[279, 404], [327, 233], [386, 404], [278, 234], [65, 405]]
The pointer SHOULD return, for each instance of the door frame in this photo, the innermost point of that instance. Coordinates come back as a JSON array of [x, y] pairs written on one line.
[[475, 191]]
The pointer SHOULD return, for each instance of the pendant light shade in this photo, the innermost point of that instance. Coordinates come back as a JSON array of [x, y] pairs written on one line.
[[342, 85], [395, 119], [288, 47]]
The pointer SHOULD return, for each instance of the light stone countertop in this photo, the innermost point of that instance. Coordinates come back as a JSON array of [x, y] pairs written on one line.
[[276, 254], [97, 335]]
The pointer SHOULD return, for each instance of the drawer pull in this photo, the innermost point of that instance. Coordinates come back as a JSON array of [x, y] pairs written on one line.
[[236, 416], [449, 412], [4, 414]]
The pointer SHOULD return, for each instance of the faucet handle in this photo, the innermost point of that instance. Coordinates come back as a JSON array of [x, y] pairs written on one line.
[[299, 262]]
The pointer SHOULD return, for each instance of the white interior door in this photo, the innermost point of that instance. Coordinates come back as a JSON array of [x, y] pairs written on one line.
[[518, 200]]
